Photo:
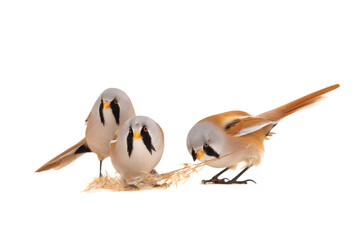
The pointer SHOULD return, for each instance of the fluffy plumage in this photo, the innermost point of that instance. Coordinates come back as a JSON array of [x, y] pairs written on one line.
[[138, 147], [112, 108], [240, 135]]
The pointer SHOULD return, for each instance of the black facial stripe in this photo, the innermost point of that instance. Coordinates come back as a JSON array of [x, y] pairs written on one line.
[[101, 112], [147, 140], [232, 123], [130, 142], [210, 151], [82, 149], [194, 155], [116, 110]]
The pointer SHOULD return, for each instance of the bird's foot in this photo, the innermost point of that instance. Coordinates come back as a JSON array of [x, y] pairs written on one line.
[[154, 172], [215, 181], [164, 185], [226, 181], [132, 187]]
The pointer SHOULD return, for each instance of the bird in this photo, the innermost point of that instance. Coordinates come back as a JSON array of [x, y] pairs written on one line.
[[227, 139], [110, 110], [137, 147]]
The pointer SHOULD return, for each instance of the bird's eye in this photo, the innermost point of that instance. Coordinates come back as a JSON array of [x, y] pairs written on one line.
[[145, 129], [130, 130], [210, 151], [115, 101]]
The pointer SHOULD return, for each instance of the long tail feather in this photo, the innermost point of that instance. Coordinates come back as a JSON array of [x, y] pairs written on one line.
[[66, 157], [289, 108]]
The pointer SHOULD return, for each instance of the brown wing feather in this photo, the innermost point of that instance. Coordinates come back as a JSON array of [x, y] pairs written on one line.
[[223, 119], [247, 124], [235, 121], [63, 159], [287, 109]]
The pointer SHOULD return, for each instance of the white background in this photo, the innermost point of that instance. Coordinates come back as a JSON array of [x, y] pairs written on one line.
[[180, 61]]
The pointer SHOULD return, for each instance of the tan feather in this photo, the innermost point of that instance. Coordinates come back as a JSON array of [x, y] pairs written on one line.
[[287, 109], [226, 118], [63, 159], [234, 122]]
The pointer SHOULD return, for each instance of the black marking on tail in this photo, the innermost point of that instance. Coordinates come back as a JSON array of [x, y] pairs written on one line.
[[271, 129], [83, 149]]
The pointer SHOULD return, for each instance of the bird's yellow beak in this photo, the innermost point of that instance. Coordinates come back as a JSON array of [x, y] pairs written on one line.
[[106, 105], [136, 135], [199, 155]]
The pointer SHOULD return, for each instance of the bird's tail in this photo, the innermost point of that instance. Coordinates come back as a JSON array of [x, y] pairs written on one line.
[[289, 108], [66, 157]]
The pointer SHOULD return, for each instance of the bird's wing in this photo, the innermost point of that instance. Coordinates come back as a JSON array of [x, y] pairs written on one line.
[[247, 125], [238, 123]]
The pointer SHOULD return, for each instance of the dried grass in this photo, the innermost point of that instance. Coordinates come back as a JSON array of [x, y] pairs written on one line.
[[151, 180]]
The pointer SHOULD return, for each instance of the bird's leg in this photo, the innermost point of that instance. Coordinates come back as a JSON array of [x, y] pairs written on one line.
[[234, 180], [215, 178], [100, 169]]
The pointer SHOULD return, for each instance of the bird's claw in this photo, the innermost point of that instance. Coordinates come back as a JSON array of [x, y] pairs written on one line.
[[226, 181], [164, 185], [241, 182], [216, 181]]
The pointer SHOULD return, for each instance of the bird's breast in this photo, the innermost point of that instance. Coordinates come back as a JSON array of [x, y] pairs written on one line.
[[98, 136], [238, 151], [140, 162]]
